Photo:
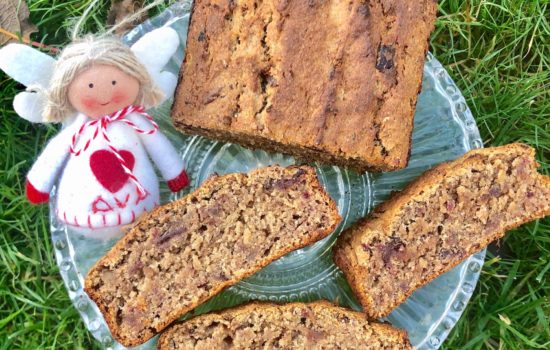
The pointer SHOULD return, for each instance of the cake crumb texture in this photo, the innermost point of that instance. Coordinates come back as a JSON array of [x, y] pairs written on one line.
[[318, 325], [184, 252], [446, 215]]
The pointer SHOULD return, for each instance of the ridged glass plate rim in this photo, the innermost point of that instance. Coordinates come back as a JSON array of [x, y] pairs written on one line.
[[471, 267]]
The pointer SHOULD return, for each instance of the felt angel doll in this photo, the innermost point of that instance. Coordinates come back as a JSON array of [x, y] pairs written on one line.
[[99, 89]]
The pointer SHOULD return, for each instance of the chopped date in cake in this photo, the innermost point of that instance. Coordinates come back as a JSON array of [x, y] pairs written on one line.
[[385, 57]]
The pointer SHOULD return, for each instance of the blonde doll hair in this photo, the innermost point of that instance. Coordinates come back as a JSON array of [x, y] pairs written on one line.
[[81, 55]]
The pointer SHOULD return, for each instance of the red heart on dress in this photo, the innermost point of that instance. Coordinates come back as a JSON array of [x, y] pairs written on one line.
[[107, 168]]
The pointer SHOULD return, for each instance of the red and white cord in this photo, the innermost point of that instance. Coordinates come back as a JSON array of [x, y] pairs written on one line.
[[101, 125]]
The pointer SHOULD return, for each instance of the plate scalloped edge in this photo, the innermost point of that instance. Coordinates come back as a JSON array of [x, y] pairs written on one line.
[[470, 269]]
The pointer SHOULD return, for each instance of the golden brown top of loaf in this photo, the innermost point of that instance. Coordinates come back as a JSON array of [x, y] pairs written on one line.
[[335, 81]]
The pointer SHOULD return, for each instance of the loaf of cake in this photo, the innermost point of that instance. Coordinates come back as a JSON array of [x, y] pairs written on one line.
[[452, 211], [180, 254], [318, 325], [330, 81]]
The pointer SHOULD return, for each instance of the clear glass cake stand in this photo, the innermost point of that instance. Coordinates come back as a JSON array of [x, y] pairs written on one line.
[[443, 130]]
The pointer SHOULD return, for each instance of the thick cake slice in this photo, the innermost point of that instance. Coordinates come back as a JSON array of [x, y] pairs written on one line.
[[447, 214], [184, 252], [334, 81], [318, 325]]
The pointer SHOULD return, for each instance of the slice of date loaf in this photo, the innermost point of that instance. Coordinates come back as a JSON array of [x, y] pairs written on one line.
[[334, 81], [184, 252], [447, 214], [317, 325]]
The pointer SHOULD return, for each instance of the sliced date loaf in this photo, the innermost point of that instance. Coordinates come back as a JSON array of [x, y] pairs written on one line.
[[331, 81], [447, 214], [183, 253], [318, 325]]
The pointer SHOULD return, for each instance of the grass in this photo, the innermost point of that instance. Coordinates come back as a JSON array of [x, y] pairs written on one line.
[[497, 52]]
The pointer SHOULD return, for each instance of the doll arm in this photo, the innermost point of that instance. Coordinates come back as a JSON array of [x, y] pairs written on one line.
[[163, 154], [166, 159], [47, 167]]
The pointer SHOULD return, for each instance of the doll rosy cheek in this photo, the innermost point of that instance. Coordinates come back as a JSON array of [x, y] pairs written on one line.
[[89, 102], [118, 97]]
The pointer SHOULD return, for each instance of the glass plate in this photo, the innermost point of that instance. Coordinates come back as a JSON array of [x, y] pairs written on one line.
[[443, 130]]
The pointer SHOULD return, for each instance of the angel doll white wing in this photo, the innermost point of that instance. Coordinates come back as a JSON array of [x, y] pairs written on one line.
[[31, 68], [34, 69], [154, 50]]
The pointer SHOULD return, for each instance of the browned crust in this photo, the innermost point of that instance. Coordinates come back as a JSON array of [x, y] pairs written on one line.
[[373, 156], [389, 330], [130, 340], [306, 154], [346, 259]]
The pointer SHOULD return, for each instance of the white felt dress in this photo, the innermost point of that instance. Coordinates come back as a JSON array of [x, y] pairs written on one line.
[[93, 190]]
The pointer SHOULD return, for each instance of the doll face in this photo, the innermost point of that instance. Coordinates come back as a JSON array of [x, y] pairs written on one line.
[[101, 90]]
